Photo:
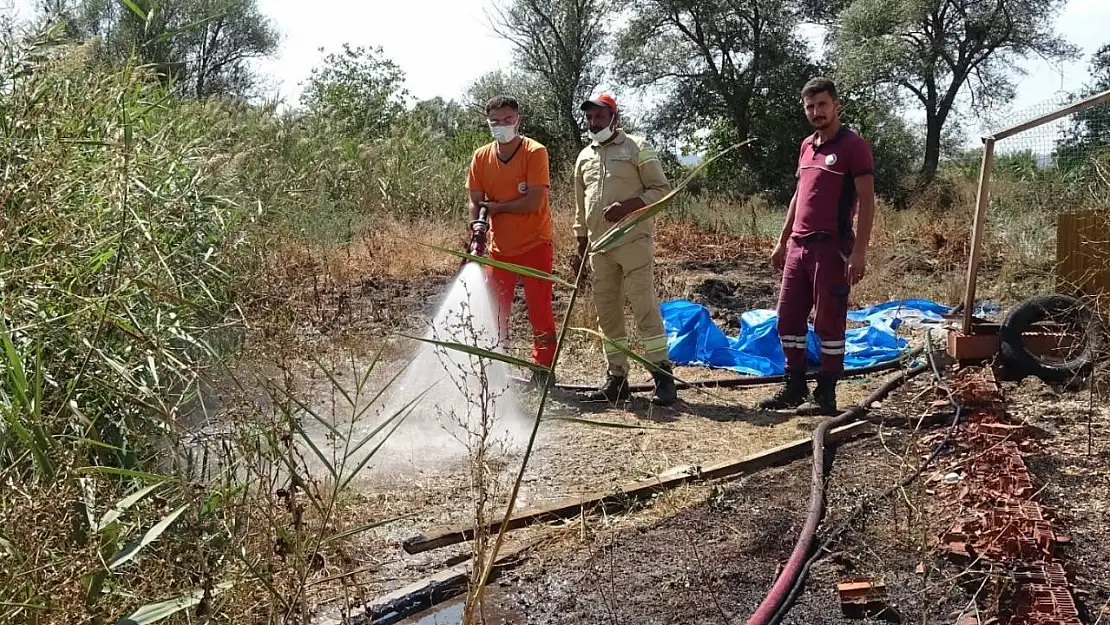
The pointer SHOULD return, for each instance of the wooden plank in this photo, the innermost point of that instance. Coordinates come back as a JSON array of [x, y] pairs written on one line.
[[783, 454], [1081, 257], [1065, 252], [573, 506], [1087, 240], [981, 204], [1083, 254], [1075, 107], [427, 592], [1093, 241], [1084, 271]]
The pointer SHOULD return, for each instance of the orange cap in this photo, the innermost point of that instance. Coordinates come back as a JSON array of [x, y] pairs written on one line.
[[604, 99]]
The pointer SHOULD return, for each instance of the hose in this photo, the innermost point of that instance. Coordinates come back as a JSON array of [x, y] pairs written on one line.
[[864, 506], [748, 380], [800, 556]]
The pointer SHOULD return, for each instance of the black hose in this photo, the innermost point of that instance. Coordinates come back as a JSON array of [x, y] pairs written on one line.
[[748, 380], [865, 506]]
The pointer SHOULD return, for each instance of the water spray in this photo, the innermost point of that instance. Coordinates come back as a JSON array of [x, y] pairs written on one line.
[[453, 393]]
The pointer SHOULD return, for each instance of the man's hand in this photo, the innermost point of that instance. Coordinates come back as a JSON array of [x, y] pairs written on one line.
[[857, 266], [576, 263], [619, 210], [615, 212], [491, 207], [778, 257]]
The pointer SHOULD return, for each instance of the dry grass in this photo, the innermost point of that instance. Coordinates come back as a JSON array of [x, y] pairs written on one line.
[[917, 253], [398, 248], [259, 539]]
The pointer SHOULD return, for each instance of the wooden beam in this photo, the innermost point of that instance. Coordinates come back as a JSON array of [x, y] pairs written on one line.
[[981, 204], [573, 506], [1095, 100], [426, 593]]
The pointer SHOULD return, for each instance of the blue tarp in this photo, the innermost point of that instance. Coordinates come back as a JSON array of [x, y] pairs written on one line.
[[693, 339]]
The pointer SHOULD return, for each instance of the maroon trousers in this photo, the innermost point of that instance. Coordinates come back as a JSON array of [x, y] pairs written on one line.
[[816, 273]]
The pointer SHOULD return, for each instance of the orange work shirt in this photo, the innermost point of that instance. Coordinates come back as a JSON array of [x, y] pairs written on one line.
[[513, 234]]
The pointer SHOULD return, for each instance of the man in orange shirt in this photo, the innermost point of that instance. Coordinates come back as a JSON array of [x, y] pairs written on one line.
[[510, 178]]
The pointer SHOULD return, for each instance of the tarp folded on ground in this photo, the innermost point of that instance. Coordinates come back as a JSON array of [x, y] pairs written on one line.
[[693, 338]]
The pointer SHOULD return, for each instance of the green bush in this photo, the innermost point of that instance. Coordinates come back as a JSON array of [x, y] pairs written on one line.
[[136, 226], [119, 263]]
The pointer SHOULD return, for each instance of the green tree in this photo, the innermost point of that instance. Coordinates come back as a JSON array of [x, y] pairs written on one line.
[[358, 90], [1100, 71], [934, 50], [1090, 129], [558, 44], [460, 126], [894, 146], [220, 38], [445, 116], [734, 66], [202, 47]]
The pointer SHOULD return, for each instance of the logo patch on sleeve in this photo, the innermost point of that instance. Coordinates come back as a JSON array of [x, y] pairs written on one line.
[[522, 187]]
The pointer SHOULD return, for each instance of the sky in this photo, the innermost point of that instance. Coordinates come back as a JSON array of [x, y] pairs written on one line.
[[443, 45]]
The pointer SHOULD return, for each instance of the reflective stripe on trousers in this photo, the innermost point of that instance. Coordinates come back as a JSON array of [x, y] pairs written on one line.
[[815, 276]]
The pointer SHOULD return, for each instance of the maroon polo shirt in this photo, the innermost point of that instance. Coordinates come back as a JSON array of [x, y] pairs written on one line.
[[827, 183]]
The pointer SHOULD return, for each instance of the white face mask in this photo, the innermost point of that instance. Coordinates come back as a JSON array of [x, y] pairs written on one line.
[[603, 135], [503, 134]]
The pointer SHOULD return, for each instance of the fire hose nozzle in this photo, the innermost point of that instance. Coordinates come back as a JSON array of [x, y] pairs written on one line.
[[478, 231], [483, 217]]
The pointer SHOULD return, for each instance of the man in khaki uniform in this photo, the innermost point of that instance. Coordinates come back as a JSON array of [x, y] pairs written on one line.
[[614, 176]]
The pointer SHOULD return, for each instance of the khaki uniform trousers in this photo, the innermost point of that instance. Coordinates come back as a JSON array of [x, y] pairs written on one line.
[[625, 273]]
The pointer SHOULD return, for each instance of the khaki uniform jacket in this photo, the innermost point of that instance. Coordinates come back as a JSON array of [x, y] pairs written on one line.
[[627, 167]]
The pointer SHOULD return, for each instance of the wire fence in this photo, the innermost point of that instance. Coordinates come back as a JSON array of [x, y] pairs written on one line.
[[1050, 191]]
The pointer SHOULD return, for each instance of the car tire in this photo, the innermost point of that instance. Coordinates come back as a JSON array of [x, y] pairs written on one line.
[[1019, 360]]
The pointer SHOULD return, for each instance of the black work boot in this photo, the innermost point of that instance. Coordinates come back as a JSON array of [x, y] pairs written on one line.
[[824, 398], [665, 391], [793, 393], [615, 389]]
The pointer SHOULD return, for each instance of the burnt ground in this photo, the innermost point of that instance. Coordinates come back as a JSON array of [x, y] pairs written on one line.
[[715, 561], [1072, 468], [727, 288], [574, 459], [708, 553]]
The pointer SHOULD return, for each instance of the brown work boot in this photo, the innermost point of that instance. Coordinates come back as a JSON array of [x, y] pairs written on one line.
[[823, 402], [615, 389], [793, 393]]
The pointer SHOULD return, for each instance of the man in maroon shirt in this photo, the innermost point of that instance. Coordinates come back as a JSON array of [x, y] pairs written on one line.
[[818, 253]]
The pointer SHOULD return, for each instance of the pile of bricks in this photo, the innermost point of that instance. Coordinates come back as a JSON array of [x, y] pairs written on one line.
[[1001, 525]]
